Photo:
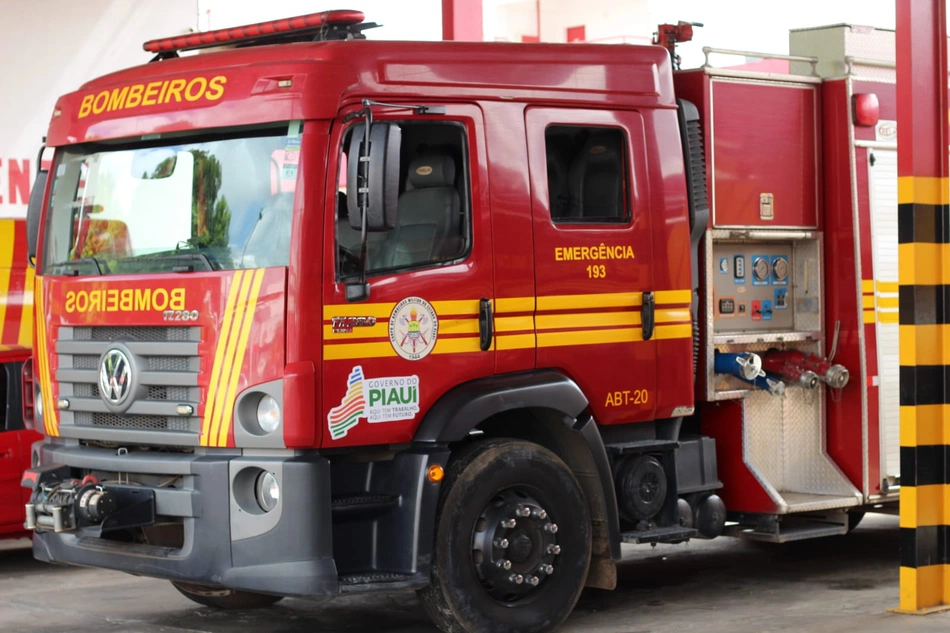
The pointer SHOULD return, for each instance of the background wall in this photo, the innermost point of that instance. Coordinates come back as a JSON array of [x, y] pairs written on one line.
[[50, 47]]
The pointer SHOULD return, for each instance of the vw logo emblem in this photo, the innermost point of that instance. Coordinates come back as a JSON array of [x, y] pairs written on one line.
[[115, 377]]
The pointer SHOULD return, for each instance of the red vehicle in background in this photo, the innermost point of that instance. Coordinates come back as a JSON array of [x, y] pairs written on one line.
[[16, 336]]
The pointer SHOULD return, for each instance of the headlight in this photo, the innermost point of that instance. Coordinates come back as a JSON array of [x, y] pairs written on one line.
[[268, 414], [268, 491], [38, 403]]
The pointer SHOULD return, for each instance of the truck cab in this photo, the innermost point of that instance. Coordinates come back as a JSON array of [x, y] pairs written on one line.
[[442, 316]]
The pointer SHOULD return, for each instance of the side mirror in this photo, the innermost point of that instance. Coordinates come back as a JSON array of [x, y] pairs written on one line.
[[33, 212], [382, 181]]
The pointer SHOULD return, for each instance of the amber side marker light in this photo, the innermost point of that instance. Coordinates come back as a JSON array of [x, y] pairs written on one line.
[[435, 474], [866, 110]]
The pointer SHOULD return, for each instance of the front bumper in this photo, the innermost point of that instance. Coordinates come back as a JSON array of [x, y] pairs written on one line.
[[287, 551]]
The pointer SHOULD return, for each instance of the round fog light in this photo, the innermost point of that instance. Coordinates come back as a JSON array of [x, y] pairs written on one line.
[[268, 414], [268, 491]]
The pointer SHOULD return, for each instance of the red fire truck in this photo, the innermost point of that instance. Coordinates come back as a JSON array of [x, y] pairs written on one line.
[[322, 315], [16, 334]]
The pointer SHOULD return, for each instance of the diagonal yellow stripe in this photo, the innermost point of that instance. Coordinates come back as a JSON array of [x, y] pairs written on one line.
[[46, 385], [40, 354], [227, 413], [6, 262], [212, 399], [227, 361], [25, 336]]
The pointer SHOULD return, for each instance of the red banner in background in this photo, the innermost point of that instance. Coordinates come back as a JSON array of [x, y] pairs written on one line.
[[16, 176]]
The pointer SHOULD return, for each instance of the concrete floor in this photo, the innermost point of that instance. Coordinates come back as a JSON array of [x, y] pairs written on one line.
[[835, 585]]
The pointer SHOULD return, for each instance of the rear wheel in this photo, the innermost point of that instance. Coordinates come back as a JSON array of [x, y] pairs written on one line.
[[221, 598], [512, 543]]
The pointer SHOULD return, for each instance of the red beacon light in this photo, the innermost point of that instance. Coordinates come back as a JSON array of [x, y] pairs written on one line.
[[866, 110], [339, 24]]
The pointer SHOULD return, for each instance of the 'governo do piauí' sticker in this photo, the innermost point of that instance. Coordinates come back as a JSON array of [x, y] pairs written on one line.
[[375, 400]]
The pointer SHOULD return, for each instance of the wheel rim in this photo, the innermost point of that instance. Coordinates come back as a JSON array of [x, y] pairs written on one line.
[[514, 546]]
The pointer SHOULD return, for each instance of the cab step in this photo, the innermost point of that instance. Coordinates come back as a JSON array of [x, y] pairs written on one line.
[[791, 529], [673, 534], [362, 506], [374, 581]]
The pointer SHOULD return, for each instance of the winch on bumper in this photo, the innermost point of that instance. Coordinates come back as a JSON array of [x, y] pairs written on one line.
[[227, 538]]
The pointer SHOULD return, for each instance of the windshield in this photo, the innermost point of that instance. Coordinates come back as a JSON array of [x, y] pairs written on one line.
[[214, 205]]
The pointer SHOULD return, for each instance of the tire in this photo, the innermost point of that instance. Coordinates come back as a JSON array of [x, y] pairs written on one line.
[[488, 485], [220, 598], [854, 519]]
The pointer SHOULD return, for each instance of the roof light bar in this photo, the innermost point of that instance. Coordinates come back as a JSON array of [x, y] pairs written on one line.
[[243, 34]]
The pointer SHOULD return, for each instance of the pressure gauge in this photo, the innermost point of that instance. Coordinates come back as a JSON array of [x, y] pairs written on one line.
[[761, 268], [780, 269]]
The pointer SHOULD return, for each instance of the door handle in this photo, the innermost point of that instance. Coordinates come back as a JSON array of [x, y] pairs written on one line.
[[485, 324], [648, 315]]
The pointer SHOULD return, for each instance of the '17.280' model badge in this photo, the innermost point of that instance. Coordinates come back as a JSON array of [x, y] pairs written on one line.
[[413, 328]]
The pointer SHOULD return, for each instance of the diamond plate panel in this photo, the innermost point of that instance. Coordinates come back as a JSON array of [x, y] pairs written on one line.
[[784, 443]]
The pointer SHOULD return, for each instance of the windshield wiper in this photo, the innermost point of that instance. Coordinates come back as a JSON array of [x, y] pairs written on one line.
[[76, 262], [192, 256], [173, 256]]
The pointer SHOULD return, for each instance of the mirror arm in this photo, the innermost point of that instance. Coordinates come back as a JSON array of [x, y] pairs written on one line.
[[364, 190]]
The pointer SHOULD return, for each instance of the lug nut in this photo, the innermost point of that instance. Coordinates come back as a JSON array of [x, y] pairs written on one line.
[[501, 542], [508, 523], [504, 564], [540, 514], [554, 549], [550, 527], [523, 511], [532, 580], [547, 569], [516, 579]]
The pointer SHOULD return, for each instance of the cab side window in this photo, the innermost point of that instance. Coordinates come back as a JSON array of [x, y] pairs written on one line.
[[433, 226], [587, 174]]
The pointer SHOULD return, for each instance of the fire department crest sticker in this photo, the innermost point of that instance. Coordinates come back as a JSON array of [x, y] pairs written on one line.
[[413, 328]]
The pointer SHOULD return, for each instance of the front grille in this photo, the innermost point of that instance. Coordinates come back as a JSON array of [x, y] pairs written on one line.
[[85, 390], [178, 394], [112, 333], [138, 422], [168, 363], [167, 355]]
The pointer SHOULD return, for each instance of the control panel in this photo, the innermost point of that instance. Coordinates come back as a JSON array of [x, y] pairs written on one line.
[[752, 287]]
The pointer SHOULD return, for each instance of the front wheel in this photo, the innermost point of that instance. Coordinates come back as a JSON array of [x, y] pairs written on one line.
[[513, 541], [221, 598]]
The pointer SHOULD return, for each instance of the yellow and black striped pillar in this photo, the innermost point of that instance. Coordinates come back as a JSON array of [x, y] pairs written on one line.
[[924, 265]]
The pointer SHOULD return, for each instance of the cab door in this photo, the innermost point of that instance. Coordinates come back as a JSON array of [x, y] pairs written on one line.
[[426, 326], [593, 256]]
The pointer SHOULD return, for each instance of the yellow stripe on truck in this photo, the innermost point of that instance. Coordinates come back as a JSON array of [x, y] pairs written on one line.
[[211, 402], [250, 305]]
